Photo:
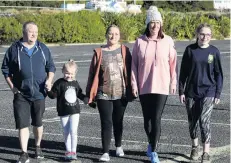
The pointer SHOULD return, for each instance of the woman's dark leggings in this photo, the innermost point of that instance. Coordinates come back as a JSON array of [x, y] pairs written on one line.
[[111, 113], [152, 107]]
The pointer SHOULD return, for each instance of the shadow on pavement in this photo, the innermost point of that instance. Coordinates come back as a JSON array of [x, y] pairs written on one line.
[[52, 150]]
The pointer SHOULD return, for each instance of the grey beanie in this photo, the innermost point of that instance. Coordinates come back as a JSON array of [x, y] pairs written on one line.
[[153, 15]]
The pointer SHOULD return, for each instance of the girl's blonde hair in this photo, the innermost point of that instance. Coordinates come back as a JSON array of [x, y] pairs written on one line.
[[70, 64]]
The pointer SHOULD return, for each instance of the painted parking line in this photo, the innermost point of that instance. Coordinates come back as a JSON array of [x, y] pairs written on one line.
[[57, 119], [215, 153], [99, 138]]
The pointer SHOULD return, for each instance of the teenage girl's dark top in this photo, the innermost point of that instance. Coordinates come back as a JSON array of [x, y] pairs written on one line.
[[201, 72], [67, 93]]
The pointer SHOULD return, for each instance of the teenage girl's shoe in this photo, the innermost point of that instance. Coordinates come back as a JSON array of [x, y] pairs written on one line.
[[105, 157], [149, 150], [194, 153], [205, 158], [154, 158]]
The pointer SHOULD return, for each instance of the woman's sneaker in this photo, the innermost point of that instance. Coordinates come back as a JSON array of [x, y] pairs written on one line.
[[68, 156], [24, 158], [119, 152], [154, 158], [105, 157], [149, 150], [205, 158], [194, 153]]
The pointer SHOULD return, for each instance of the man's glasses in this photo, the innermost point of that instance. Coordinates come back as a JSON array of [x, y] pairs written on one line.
[[205, 35]]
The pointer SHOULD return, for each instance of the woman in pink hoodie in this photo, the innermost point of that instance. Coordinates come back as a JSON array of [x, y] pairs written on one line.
[[154, 72]]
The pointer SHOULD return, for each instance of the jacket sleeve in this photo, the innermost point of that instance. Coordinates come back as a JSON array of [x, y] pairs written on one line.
[[128, 65], [50, 66], [135, 66], [91, 74], [218, 74], [184, 71], [6, 68], [129, 95], [173, 64]]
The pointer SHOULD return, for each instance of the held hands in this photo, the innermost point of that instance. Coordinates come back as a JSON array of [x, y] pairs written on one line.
[[48, 85]]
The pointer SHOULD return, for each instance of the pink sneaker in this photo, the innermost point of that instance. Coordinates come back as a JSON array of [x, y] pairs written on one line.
[[68, 155], [74, 156]]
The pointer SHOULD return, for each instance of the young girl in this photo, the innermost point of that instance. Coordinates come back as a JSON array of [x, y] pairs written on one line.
[[67, 90], [200, 86]]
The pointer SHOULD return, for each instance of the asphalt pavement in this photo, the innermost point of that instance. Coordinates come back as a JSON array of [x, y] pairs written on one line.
[[174, 145]]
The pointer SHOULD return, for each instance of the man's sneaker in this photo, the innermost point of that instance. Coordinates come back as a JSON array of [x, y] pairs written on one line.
[[24, 158], [105, 157], [68, 155], [149, 150], [205, 158], [73, 156], [38, 153], [154, 158], [194, 153], [119, 152]]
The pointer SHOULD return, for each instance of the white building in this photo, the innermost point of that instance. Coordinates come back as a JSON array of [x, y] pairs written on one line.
[[222, 4]]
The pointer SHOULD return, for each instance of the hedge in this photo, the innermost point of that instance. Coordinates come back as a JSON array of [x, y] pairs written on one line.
[[90, 26]]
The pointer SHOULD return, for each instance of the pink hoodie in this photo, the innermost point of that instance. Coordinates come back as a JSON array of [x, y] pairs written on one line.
[[154, 65]]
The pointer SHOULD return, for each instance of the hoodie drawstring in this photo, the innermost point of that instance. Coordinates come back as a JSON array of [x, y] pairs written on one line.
[[19, 62], [43, 55]]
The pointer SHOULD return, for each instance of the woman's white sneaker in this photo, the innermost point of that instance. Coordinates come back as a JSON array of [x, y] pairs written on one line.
[[119, 152], [105, 157]]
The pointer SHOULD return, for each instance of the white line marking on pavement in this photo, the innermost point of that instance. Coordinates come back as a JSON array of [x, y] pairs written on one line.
[[56, 119], [216, 154], [4, 89], [82, 61], [181, 54], [97, 138]]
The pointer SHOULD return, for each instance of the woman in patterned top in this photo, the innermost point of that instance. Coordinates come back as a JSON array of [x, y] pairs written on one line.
[[109, 84]]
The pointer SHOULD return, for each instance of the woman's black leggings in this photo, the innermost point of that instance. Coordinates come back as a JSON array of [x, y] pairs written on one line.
[[152, 107], [111, 114]]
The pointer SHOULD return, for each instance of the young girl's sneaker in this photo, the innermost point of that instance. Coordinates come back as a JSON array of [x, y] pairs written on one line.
[[74, 156], [68, 155], [194, 153]]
